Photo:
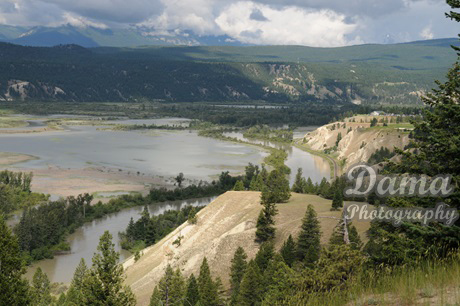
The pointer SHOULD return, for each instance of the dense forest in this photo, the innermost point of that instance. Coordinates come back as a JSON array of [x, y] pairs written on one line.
[[74, 73]]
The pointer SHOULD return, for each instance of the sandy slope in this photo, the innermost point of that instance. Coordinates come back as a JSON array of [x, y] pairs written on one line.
[[359, 143], [228, 222]]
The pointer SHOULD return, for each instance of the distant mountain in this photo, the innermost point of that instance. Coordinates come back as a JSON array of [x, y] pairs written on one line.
[[93, 37], [365, 74]]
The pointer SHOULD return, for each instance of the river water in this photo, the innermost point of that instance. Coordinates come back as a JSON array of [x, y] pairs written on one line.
[[312, 166], [85, 239], [155, 152]]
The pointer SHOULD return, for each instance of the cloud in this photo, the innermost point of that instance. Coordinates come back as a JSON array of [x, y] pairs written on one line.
[[427, 33], [81, 22], [288, 25], [122, 11], [307, 22]]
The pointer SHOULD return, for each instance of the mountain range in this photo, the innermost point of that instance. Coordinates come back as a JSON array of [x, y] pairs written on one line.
[[93, 37], [396, 74]]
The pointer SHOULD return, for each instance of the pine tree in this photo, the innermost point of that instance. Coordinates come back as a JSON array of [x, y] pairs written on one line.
[[14, 290], [300, 184], [337, 201], [310, 187], [41, 291], [75, 292], [171, 288], [355, 240], [264, 255], [277, 188], [103, 284], [309, 240], [250, 287], [265, 223], [239, 186], [237, 270], [155, 299], [207, 288], [288, 251], [277, 282], [192, 296]]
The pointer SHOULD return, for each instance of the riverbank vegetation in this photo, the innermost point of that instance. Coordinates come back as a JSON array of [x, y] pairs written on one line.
[[264, 132], [15, 192], [149, 229], [42, 229]]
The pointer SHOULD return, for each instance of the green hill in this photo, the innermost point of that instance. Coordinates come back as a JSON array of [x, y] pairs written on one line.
[[366, 74]]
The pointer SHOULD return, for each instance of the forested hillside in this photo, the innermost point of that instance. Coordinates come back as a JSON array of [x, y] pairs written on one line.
[[369, 74]]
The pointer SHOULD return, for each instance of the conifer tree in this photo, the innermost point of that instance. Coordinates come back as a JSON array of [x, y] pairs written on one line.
[[257, 183], [250, 292], [265, 223], [14, 290], [103, 284], [237, 270], [207, 288], [277, 282], [288, 251], [171, 288], [309, 240], [310, 187], [41, 291], [192, 295], [300, 184], [276, 188], [264, 255], [75, 292], [155, 299], [337, 201], [239, 186]]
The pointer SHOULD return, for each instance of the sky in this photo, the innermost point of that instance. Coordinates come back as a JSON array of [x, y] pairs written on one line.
[[318, 23]]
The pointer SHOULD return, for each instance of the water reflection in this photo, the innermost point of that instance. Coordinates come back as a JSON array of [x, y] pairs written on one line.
[[85, 239]]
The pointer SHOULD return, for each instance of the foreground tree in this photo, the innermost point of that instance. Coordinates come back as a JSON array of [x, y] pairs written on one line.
[[277, 188], [288, 251], [250, 292], [239, 186], [192, 296], [41, 291], [237, 271], [435, 151], [337, 201], [309, 240], [103, 284], [300, 184], [170, 289], [266, 223], [208, 289], [14, 290], [75, 293]]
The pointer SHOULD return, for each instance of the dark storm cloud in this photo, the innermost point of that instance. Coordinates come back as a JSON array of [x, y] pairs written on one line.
[[122, 11]]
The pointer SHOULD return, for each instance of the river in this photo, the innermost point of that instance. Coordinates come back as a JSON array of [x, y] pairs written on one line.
[[313, 166], [84, 240], [151, 152]]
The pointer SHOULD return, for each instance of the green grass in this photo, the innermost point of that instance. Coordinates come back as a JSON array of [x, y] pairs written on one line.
[[431, 282]]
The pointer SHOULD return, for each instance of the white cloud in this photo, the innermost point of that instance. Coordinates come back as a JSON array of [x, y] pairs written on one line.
[[427, 33], [287, 25], [307, 22], [196, 15], [81, 22]]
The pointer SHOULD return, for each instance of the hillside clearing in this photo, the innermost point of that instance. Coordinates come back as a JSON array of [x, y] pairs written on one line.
[[226, 223]]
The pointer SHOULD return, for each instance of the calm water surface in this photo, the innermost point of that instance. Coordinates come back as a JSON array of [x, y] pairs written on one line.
[[85, 239]]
